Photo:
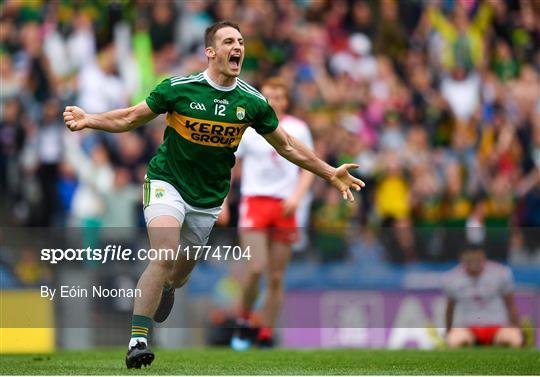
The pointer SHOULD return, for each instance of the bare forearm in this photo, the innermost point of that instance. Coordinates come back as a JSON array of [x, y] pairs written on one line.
[[120, 120], [299, 154]]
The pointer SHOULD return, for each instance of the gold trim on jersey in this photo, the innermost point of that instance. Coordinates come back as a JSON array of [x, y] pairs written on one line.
[[207, 132]]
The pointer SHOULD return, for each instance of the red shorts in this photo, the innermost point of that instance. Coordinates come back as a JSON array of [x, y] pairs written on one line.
[[484, 335], [266, 213]]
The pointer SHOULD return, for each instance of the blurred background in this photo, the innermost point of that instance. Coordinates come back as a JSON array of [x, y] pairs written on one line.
[[438, 102]]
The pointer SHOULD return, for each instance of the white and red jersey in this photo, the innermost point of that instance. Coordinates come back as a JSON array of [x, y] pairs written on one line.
[[264, 171], [479, 300]]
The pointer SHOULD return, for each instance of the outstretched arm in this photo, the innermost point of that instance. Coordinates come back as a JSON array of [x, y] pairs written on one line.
[[297, 153], [120, 120]]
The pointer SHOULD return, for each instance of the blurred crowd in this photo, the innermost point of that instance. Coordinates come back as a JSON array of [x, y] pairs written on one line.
[[438, 101]]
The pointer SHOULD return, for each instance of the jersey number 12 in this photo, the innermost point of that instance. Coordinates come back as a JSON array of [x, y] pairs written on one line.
[[219, 110]]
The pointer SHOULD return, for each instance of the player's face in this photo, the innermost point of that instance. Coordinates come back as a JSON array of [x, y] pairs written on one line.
[[277, 98], [473, 262], [228, 51]]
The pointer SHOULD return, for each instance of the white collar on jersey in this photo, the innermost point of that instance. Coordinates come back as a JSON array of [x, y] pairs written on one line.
[[217, 86]]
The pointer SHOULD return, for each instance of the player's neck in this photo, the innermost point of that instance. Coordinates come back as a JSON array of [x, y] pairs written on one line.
[[219, 78]]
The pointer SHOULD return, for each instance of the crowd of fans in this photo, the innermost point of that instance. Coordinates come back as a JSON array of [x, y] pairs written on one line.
[[438, 101]]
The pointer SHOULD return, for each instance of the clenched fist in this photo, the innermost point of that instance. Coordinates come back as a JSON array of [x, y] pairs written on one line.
[[75, 118]]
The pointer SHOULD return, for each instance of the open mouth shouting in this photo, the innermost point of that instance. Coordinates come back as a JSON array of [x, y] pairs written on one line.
[[234, 61]]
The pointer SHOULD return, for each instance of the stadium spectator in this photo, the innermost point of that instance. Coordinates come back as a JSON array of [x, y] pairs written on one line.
[[29, 270], [12, 137], [99, 88], [49, 153], [95, 176]]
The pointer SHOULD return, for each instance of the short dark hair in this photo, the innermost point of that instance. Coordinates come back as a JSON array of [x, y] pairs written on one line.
[[211, 30]]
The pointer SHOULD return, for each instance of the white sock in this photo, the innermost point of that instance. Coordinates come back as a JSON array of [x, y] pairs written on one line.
[[133, 341]]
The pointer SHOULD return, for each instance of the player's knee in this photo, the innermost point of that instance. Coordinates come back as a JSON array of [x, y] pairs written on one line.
[[166, 249], [457, 339], [255, 272], [458, 343], [515, 342], [454, 342], [165, 266], [509, 337], [275, 281]]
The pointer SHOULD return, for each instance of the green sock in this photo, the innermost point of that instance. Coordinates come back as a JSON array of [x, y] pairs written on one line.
[[140, 326]]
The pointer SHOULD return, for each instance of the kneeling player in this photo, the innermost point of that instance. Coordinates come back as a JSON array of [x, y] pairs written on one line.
[[480, 296]]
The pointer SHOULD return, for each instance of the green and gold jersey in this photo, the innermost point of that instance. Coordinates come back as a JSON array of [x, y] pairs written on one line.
[[205, 123]]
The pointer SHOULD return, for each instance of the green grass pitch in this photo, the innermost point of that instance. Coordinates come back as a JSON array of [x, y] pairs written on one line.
[[216, 361]]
